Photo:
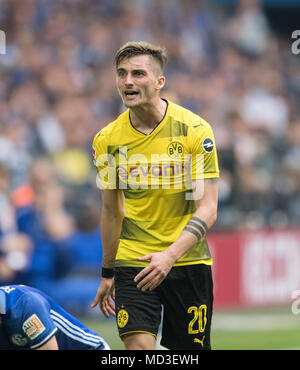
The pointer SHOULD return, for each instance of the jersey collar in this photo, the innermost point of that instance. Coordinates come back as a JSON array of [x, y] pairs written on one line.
[[158, 125]]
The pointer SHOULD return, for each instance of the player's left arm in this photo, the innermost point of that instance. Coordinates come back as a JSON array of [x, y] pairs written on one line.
[[206, 200], [35, 321], [50, 345]]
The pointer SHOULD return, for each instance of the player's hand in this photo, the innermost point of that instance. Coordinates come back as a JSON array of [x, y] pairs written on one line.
[[105, 297], [152, 275]]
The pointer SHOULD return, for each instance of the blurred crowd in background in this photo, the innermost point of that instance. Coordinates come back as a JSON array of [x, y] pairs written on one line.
[[57, 90]]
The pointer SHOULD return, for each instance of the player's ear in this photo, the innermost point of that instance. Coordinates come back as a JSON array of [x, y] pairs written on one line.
[[160, 82]]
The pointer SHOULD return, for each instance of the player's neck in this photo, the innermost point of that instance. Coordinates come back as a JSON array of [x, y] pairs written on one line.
[[146, 117]]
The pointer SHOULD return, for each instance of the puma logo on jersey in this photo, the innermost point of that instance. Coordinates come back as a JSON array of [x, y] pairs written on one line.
[[196, 340]]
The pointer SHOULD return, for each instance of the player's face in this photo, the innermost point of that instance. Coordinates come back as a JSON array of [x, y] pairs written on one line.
[[139, 80]]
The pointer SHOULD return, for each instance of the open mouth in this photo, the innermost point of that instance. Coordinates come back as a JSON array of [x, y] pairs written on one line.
[[130, 93]]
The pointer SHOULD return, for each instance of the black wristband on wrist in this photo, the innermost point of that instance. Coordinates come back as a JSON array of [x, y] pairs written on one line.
[[107, 273]]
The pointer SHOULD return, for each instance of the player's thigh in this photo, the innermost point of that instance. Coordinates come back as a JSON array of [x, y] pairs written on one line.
[[187, 296], [139, 341], [136, 311]]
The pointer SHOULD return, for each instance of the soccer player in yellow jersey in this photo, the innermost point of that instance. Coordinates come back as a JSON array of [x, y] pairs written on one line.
[[157, 167]]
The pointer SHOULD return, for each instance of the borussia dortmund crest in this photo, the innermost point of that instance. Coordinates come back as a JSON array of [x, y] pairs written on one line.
[[122, 318], [175, 149]]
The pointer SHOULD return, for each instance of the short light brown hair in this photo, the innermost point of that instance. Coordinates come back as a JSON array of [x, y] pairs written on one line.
[[134, 48]]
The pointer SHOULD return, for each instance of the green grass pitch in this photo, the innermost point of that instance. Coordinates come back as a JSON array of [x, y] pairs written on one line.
[[256, 329]]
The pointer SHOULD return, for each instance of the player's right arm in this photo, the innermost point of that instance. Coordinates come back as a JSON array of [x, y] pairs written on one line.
[[112, 215]]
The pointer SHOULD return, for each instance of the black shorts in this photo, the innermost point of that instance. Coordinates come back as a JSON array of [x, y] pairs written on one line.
[[186, 296]]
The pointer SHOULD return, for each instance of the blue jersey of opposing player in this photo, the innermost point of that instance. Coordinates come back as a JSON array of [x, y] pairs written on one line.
[[29, 318]]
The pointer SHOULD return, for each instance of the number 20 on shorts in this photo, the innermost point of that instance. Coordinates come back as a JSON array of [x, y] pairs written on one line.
[[198, 322]]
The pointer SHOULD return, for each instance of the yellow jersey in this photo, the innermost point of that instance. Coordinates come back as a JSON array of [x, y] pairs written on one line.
[[155, 172]]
